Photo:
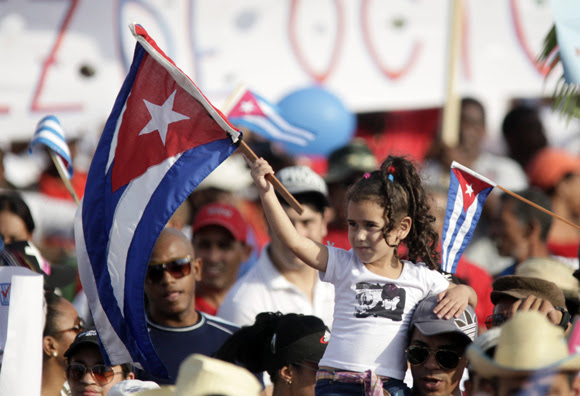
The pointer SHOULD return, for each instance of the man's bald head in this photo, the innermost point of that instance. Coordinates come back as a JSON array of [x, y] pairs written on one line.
[[172, 238]]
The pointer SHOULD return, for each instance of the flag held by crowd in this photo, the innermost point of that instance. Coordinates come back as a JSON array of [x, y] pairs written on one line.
[[255, 113], [162, 138], [468, 191], [49, 133]]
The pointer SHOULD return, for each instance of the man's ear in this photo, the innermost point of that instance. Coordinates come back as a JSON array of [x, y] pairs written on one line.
[[247, 251], [196, 267]]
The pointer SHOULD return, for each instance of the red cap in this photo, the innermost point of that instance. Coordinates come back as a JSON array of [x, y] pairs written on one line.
[[222, 215], [549, 166]]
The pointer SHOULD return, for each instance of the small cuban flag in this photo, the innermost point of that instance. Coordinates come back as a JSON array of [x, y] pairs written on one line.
[[255, 113], [49, 133], [468, 191]]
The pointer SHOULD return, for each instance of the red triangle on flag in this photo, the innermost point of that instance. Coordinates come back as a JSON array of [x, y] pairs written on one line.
[[470, 186], [247, 105], [187, 124]]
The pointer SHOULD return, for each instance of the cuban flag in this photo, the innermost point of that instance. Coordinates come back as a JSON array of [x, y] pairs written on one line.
[[255, 113], [161, 140], [49, 133], [468, 191]]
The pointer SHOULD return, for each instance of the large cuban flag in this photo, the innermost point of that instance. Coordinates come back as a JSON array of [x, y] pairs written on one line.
[[468, 191], [255, 113], [161, 140]]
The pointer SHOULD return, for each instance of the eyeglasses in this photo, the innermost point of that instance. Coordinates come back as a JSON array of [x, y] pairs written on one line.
[[77, 328], [446, 358], [101, 373], [177, 268], [494, 320]]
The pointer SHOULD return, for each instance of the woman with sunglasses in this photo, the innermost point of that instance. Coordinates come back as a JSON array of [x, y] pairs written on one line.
[[288, 347], [61, 327], [86, 371]]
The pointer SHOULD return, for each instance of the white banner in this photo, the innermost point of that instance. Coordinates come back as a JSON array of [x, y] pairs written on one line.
[[69, 57]]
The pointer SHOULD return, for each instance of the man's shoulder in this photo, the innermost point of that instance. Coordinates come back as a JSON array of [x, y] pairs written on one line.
[[218, 324]]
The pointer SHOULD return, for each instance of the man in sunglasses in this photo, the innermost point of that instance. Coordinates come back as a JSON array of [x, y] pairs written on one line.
[[86, 371], [177, 329], [436, 351]]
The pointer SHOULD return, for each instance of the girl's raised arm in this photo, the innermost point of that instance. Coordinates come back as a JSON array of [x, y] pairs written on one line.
[[312, 253]]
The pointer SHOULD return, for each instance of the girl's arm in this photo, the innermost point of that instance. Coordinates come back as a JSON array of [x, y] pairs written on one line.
[[312, 253], [454, 300]]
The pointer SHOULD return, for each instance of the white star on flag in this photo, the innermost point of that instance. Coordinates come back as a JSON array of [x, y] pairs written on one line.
[[161, 117], [469, 190], [247, 106]]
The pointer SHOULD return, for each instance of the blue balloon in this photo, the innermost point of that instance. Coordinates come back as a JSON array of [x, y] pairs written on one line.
[[322, 113]]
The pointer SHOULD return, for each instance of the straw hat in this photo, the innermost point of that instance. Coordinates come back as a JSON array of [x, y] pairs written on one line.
[[551, 270], [528, 343], [201, 376]]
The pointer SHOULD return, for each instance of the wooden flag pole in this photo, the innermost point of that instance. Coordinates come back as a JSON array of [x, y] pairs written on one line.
[[450, 127], [289, 198], [249, 153], [538, 207], [63, 176]]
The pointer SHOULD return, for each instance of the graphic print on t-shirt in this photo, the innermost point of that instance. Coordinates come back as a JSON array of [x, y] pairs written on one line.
[[385, 300]]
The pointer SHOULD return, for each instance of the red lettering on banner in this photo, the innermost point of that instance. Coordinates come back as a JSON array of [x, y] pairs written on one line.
[[36, 105], [541, 67], [336, 48], [391, 73]]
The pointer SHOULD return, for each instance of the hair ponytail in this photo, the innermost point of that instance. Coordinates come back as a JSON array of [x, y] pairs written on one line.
[[398, 189]]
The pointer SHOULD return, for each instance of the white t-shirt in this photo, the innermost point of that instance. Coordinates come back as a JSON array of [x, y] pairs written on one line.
[[372, 313], [265, 289]]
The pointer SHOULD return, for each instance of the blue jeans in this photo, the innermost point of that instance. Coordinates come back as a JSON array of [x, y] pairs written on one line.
[[329, 387]]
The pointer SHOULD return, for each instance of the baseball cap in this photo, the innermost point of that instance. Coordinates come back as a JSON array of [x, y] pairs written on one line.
[[349, 161], [429, 324], [131, 387], [222, 215], [300, 179], [87, 337], [522, 286], [549, 166], [298, 338]]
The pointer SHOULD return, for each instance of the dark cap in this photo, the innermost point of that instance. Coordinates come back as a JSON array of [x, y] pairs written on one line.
[[298, 338], [522, 286], [429, 324], [350, 161], [87, 337]]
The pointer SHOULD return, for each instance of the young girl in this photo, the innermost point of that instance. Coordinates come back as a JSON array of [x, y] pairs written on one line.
[[375, 292]]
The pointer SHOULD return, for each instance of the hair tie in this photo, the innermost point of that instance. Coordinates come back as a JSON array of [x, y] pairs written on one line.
[[367, 175], [390, 172]]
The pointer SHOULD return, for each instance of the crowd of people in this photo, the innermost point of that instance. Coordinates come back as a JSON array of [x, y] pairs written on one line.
[[246, 296]]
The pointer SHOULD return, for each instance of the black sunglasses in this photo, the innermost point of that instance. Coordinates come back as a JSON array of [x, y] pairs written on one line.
[[446, 358], [101, 373], [177, 268], [494, 320]]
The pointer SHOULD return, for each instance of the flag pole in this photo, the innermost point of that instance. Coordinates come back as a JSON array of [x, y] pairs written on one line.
[[250, 155], [538, 207], [63, 176], [450, 126]]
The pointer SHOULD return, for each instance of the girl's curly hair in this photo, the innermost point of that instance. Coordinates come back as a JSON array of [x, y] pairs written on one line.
[[397, 188]]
